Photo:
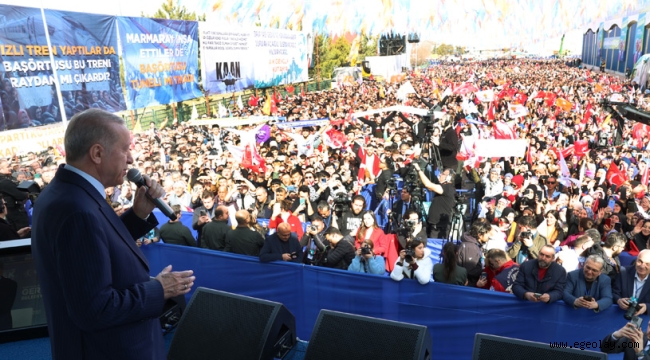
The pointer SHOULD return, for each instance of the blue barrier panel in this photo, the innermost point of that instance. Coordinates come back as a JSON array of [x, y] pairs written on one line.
[[453, 314]]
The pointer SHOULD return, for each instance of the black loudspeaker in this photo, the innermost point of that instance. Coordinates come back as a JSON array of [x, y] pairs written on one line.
[[221, 325], [30, 186], [489, 347], [338, 335]]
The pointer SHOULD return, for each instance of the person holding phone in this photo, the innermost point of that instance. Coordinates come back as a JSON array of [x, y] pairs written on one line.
[[589, 287], [540, 279], [629, 340]]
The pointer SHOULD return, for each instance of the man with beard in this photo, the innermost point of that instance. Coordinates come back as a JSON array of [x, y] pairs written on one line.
[[541, 279]]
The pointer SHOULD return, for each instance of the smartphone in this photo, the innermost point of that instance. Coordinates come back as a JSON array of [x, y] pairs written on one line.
[[483, 275], [588, 297], [302, 201], [617, 226], [538, 295], [611, 202], [636, 321], [608, 222]]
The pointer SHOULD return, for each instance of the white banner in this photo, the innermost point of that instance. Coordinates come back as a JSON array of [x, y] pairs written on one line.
[[231, 122], [234, 59], [500, 148], [400, 108]]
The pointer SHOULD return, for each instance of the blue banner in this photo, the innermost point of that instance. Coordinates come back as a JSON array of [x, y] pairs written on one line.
[[86, 60], [303, 123], [28, 92], [160, 60]]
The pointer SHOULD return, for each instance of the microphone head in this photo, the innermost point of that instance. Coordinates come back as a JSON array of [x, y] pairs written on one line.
[[134, 175]]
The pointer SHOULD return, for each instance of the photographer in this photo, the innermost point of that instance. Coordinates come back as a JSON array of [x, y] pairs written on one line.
[[348, 222], [411, 229], [366, 261], [401, 207], [338, 252], [313, 236], [470, 250], [448, 144], [630, 285], [384, 181], [442, 204], [414, 263], [528, 243]]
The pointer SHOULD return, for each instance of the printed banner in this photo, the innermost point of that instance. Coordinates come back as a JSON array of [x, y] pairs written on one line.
[[601, 37], [638, 37], [234, 121], [500, 148], [236, 59], [160, 60], [87, 64], [28, 91], [21, 141], [623, 40], [304, 123], [611, 43]]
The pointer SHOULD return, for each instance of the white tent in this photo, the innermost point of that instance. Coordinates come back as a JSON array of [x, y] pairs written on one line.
[[640, 71]]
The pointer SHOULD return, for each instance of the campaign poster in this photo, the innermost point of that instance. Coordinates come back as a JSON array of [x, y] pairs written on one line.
[[282, 55], [160, 60], [622, 44], [227, 61], [28, 93], [86, 59], [638, 37]]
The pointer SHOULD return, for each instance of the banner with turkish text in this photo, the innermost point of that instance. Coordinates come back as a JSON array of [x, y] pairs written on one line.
[[160, 60], [86, 60]]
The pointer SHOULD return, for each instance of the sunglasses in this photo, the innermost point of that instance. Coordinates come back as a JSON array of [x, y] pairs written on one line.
[[550, 182]]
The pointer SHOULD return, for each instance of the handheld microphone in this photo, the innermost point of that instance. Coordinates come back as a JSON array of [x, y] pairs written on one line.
[[134, 176]]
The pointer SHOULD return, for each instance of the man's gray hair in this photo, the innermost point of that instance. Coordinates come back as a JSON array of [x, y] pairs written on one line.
[[597, 259], [88, 128]]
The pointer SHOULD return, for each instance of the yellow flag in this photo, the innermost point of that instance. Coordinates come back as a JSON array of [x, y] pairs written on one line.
[[266, 110], [381, 92]]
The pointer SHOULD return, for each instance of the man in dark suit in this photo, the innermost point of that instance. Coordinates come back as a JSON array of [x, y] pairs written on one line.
[[214, 232], [381, 181], [402, 206], [282, 246], [8, 291], [631, 283], [174, 232], [99, 299], [203, 215], [629, 340], [244, 240]]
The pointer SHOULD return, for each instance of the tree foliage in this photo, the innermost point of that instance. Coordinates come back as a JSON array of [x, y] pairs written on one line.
[[368, 46], [331, 54], [171, 10], [443, 50]]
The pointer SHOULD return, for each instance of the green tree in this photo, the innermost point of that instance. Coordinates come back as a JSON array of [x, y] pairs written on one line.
[[443, 50], [171, 10], [368, 46]]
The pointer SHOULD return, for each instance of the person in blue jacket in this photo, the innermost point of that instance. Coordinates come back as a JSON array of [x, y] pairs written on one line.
[[366, 261], [588, 287]]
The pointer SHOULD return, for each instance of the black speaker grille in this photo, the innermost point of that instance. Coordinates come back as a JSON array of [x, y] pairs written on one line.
[[345, 337], [221, 327], [502, 350]]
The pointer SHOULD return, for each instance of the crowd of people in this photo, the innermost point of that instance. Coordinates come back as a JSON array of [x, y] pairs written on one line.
[[547, 226]]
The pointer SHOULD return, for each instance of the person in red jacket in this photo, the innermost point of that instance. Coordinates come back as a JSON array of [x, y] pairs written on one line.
[[500, 272], [370, 231], [282, 213]]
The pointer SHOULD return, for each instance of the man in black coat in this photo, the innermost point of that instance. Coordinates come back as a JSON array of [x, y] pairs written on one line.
[[174, 232], [14, 198], [339, 252], [244, 240], [8, 291], [214, 233], [281, 246], [550, 288]]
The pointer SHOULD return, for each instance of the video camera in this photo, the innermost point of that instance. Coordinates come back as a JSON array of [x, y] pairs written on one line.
[[341, 202], [410, 253]]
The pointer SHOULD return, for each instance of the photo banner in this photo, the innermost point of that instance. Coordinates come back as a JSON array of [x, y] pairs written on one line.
[[235, 59], [227, 60], [611, 43], [623, 40], [88, 67], [28, 93], [638, 37], [601, 38], [160, 60]]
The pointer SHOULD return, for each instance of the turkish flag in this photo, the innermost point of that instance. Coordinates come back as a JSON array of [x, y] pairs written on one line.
[[587, 114], [566, 152], [490, 114], [290, 89], [334, 138], [540, 95], [503, 131], [252, 160], [252, 101], [550, 98], [614, 175], [581, 147], [521, 98]]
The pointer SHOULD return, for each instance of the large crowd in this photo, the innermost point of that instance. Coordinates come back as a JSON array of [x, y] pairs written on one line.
[[546, 226]]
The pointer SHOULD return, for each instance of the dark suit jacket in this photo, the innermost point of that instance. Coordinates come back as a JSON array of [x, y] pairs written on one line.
[[8, 290], [624, 286], [99, 299], [214, 235], [609, 346], [527, 280], [397, 210], [272, 249]]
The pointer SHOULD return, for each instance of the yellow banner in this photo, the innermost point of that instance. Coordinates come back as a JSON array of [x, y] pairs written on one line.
[[36, 139]]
